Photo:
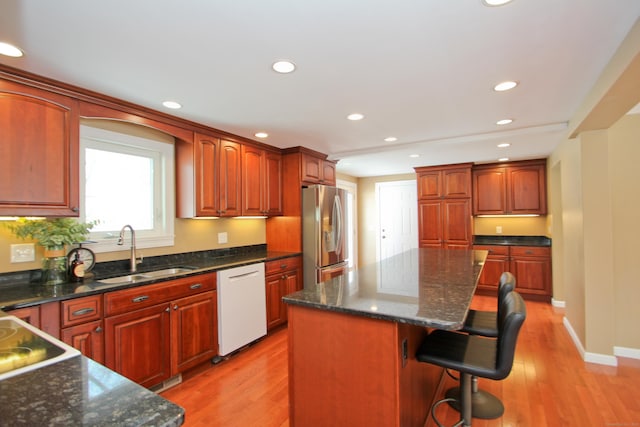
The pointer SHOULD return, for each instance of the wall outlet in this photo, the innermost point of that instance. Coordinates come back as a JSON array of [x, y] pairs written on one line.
[[222, 237], [498, 229], [24, 252]]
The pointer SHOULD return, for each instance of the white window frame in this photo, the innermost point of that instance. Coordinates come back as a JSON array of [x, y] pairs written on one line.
[[163, 154]]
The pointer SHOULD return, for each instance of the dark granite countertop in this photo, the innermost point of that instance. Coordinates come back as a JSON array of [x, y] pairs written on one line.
[[81, 392], [425, 287], [23, 290], [512, 240]]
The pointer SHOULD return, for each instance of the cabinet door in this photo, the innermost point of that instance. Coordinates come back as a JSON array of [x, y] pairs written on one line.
[[311, 169], [276, 288], [194, 335], [273, 184], [429, 185], [527, 190], [456, 183], [39, 148], [207, 175], [137, 344], [31, 315], [457, 223], [489, 191], [532, 268], [430, 224], [252, 180], [88, 338], [328, 173], [230, 179]]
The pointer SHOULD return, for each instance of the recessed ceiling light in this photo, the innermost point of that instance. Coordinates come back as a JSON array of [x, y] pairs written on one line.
[[495, 2], [504, 122], [355, 116], [261, 135], [413, 156], [10, 50], [504, 145], [172, 104], [506, 85], [391, 139], [283, 67], [503, 159]]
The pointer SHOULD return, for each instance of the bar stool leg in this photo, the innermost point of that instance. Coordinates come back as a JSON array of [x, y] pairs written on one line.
[[484, 404], [465, 398]]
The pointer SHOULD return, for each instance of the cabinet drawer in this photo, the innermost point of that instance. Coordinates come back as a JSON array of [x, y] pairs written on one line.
[[539, 251], [286, 264], [493, 249], [146, 296], [81, 310]]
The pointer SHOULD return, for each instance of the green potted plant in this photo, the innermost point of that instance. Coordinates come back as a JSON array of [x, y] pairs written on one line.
[[53, 234]]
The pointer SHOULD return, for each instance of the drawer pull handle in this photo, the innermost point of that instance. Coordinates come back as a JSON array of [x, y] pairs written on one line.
[[196, 286], [528, 252], [140, 299], [83, 311], [283, 266]]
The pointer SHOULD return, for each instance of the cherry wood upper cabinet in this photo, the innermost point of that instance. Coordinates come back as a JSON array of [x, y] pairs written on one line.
[[444, 181], [316, 170], [510, 188], [261, 182], [39, 152], [208, 177]]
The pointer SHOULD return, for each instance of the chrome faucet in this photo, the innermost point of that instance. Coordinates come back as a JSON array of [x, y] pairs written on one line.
[[133, 259]]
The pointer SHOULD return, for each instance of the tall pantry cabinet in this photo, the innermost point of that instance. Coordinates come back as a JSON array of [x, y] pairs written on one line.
[[444, 206]]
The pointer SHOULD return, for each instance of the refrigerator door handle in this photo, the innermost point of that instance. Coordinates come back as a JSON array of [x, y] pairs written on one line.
[[337, 215]]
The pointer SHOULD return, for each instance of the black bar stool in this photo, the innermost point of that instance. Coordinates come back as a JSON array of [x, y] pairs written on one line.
[[485, 323], [476, 355]]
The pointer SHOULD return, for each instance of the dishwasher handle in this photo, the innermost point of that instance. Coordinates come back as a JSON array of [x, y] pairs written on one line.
[[241, 276]]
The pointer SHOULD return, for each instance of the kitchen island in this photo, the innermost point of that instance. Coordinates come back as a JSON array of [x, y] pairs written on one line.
[[352, 339]]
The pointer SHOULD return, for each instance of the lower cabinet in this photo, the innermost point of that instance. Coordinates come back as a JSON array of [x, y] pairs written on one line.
[[531, 266], [157, 331], [282, 277], [82, 326]]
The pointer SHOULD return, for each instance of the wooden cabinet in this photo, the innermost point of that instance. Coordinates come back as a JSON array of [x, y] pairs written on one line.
[[82, 326], [515, 188], [282, 277], [531, 266], [208, 177], [154, 332], [261, 182], [39, 148], [318, 170], [44, 316], [444, 206]]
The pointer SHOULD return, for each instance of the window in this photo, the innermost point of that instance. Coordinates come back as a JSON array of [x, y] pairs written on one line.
[[126, 179]]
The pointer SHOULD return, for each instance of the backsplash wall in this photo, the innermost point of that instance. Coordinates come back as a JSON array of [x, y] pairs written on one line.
[[511, 226]]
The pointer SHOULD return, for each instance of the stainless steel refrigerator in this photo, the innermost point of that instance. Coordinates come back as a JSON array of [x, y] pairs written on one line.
[[324, 237]]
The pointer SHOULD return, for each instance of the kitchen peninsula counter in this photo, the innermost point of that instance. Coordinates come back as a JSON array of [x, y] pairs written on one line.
[[352, 340]]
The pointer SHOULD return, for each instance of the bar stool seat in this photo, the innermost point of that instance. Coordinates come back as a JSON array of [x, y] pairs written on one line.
[[476, 355], [484, 323]]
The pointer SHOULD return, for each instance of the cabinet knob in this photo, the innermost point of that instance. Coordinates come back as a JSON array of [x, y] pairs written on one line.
[[175, 307], [75, 209], [168, 309], [99, 329]]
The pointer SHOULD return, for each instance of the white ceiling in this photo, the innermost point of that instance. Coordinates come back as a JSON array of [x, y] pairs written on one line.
[[419, 70]]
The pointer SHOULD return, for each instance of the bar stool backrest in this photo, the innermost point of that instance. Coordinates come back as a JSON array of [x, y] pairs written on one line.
[[511, 317]]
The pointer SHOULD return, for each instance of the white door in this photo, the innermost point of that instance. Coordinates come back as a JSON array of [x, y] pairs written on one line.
[[398, 217]]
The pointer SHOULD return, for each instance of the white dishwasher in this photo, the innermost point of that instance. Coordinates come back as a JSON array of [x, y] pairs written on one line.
[[242, 311]]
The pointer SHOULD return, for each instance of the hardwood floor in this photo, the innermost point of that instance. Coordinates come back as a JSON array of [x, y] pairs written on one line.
[[549, 385]]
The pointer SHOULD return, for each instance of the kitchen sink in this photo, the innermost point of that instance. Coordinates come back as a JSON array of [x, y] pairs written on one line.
[[148, 275]]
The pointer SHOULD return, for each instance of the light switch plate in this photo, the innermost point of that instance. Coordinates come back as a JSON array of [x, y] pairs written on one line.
[[222, 237], [24, 252], [498, 229]]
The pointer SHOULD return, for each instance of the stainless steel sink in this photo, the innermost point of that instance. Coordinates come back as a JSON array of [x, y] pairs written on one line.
[[141, 277]]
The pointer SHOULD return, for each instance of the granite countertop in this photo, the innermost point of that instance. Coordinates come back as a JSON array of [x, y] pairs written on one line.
[[512, 240], [425, 287], [21, 290], [81, 392]]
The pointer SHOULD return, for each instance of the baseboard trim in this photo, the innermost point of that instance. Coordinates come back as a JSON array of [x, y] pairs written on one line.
[[632, 353], [558, 303], [601, 359]]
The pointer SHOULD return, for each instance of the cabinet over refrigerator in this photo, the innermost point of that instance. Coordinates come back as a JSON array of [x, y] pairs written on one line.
[[323, 233]]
